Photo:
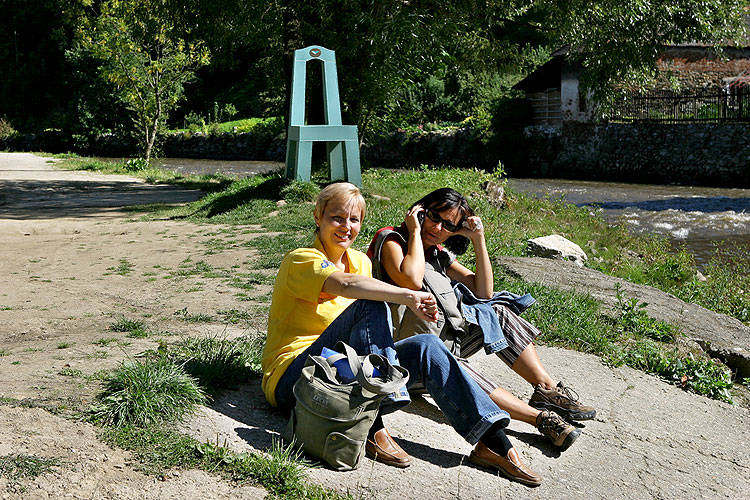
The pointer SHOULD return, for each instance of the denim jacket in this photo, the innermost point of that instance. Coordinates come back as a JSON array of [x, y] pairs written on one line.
[[480, 312]]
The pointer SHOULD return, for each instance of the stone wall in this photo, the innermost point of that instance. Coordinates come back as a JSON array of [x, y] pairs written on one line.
[[690, 154], [235, 146]]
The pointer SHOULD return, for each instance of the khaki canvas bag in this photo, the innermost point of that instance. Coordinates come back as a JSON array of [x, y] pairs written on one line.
[[331, 419]]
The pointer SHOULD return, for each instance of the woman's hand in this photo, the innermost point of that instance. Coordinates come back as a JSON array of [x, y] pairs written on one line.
[[412, 218], [472, 228], [424, 305]]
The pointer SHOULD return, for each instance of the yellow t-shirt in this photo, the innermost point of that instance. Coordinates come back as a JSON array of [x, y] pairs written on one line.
[[299, 313]]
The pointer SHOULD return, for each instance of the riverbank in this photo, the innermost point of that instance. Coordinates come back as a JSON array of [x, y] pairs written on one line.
[[71, 277]]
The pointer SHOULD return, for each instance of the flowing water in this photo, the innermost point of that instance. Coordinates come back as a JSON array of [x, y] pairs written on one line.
[[697, 217]]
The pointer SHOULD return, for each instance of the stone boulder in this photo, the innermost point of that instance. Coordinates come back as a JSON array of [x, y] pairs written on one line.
[[556, 247]]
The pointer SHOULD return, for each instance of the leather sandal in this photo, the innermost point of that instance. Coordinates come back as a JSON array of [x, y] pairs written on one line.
[[383, 448]]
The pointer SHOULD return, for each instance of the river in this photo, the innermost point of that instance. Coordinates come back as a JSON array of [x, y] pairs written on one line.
[[697, 217]]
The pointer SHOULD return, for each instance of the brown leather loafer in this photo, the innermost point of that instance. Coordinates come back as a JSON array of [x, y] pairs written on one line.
[[511, 467], [384, 449]]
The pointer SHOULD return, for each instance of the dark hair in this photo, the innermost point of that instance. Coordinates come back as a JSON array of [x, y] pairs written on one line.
[[445, 199]]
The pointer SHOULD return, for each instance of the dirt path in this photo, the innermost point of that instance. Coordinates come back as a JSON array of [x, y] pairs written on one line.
[[74, 263]]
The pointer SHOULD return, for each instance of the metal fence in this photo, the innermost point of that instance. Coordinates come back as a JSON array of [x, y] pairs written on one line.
[[721, 105]]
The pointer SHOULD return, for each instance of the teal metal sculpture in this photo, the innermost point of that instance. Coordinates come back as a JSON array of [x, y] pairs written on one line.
[[342, 142]]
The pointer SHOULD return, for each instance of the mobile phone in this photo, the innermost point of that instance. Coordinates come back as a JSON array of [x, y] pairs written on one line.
[[420, 217]]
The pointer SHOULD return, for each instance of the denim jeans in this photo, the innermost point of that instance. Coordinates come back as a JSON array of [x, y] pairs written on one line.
[[366, 327]]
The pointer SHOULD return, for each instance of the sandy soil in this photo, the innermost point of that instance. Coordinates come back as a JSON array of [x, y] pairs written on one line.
[[72, 263]]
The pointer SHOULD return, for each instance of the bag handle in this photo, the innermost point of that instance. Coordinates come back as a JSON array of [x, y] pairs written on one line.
[[362, 367]]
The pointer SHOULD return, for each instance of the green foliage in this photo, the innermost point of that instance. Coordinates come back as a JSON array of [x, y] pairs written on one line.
[[144, 53], [6, 129], [281, 472], [147, 392], [300, 192], [635, 321], [136, 165], [727, 285], [155, 448], [700, 376]]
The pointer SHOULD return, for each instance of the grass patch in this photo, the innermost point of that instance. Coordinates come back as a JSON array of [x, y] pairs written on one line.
[[150, 391], [158, 449], [150, 174], [184, 315], [19, 466], [632, 338], [123, 268], [104, 342], [219, 363], [135, 328], [70, 372]]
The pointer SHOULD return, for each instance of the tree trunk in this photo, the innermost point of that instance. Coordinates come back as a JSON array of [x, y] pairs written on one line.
[[292, 41]]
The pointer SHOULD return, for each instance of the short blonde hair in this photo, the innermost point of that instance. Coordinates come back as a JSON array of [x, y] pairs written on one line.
[[339, 192]]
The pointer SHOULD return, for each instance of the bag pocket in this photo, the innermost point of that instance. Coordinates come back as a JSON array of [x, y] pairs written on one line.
[[341, 452]]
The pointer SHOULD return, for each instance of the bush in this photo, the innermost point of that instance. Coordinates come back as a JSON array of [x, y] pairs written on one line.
[[136, 165], [6, 129]]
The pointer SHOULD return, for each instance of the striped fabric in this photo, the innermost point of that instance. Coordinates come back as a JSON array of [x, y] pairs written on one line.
[[518, 332]]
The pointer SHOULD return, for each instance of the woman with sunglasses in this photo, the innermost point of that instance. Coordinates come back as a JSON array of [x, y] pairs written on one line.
[[325, 294], [420, 254]]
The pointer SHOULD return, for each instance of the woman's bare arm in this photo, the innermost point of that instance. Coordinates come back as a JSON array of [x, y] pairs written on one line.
[[481, 282], [356, 286], [406, 270]]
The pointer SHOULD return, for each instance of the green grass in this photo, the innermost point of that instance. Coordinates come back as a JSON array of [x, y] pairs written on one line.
[[157, 450], [123, 268], [574, 321], [184, 315], [151, 174], [146, 392], [71, 372], [219, 363], [142, 399], [20, 466], [135, 328]]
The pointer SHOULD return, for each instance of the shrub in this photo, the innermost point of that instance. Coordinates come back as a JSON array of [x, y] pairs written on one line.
[[136, 165], [6, 129]]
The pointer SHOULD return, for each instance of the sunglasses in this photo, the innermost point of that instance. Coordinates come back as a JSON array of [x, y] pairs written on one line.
[[448, 225]]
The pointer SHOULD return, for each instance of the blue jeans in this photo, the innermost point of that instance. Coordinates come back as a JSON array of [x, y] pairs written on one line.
[[366, 327]]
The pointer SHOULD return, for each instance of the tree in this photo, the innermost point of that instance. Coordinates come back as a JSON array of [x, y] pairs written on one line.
[[144, 53], [617, 41]]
